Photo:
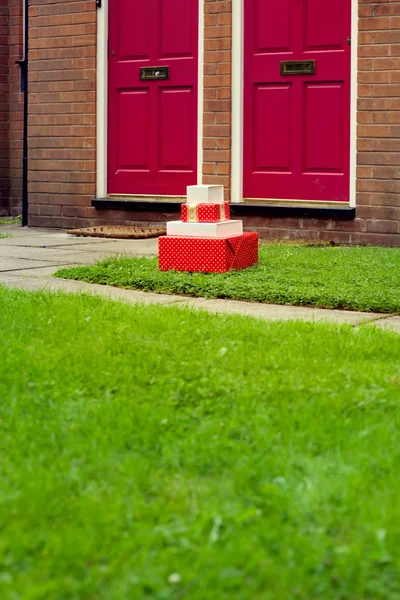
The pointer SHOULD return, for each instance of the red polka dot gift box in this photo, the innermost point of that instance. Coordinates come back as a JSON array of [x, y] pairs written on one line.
[[205, 213], [207, 255]]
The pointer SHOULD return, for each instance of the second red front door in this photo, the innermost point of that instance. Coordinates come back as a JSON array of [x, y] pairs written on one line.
[[152, 100], [297, 99]]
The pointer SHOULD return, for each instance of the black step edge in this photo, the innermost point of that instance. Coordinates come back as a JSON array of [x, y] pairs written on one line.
[[244, 209]]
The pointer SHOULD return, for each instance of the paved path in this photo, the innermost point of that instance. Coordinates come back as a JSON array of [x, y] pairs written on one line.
[[30, 257]]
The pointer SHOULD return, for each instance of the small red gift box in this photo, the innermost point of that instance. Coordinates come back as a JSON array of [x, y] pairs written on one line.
[[207, 255], [205, 213]]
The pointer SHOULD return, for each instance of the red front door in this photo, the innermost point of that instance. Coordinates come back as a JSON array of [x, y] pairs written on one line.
[[152, 123], [297, 126]]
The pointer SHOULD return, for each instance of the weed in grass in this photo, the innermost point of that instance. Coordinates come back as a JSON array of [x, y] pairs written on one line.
[[10, 220], [365, 279], [164, 453]]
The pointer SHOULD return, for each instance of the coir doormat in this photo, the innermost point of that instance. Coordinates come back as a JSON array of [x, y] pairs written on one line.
[[120, 232]]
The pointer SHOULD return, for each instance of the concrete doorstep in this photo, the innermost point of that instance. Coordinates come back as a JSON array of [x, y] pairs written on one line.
[[29, 258]]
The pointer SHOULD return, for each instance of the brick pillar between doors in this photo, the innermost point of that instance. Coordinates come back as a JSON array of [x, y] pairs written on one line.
[[217, 93]]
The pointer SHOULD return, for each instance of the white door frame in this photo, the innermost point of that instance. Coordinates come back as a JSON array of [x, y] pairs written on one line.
[[102, 96], [238, 103]]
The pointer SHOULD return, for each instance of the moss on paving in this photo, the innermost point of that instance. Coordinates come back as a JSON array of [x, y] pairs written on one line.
[[365, 279], [164, 453]]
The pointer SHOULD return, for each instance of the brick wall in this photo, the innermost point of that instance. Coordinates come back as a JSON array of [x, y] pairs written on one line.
[[62, 122], [16, 105], [62, 111], [217, 93], [4, 108], [378, 185]]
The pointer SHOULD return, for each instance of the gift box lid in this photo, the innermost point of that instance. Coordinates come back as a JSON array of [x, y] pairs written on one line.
[[205, 194], [217, 229]]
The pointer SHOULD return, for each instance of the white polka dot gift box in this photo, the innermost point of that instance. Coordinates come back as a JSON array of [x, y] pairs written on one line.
[[222, 229]]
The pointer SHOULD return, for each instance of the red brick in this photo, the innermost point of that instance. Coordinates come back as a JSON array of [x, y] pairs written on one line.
[[381, 226]]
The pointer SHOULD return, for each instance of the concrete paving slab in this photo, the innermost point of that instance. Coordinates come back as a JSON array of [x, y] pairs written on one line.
[[59, 239], [25, 235], [13, 264], [32, 253], [277, 312], [134, 247], [42, 272], [392, 323], [18, 231], [41, 241], [51, 254], [8, 228], [52, 284], [85, 258], [42, 231]]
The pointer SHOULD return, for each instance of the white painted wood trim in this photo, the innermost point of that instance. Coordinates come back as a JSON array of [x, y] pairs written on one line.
[[354, 94], [102, 96], [200, 95], [238, 105], [101, 100], [237, 100]]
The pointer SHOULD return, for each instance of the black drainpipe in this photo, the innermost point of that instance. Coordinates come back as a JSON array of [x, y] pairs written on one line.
[[24, 88]]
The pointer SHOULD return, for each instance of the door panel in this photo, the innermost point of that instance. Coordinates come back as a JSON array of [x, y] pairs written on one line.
[[133, 40], [176, 135], [177, 33], [297, 126], [152, 124], [272, 26], [325, 26], [324, 125], [272, 107], [133, 153]]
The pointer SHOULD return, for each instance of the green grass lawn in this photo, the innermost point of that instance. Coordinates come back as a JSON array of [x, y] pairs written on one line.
[[167, 454], [366, 279]]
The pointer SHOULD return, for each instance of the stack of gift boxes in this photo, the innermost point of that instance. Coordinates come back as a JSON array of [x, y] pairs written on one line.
[[206, 239]]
